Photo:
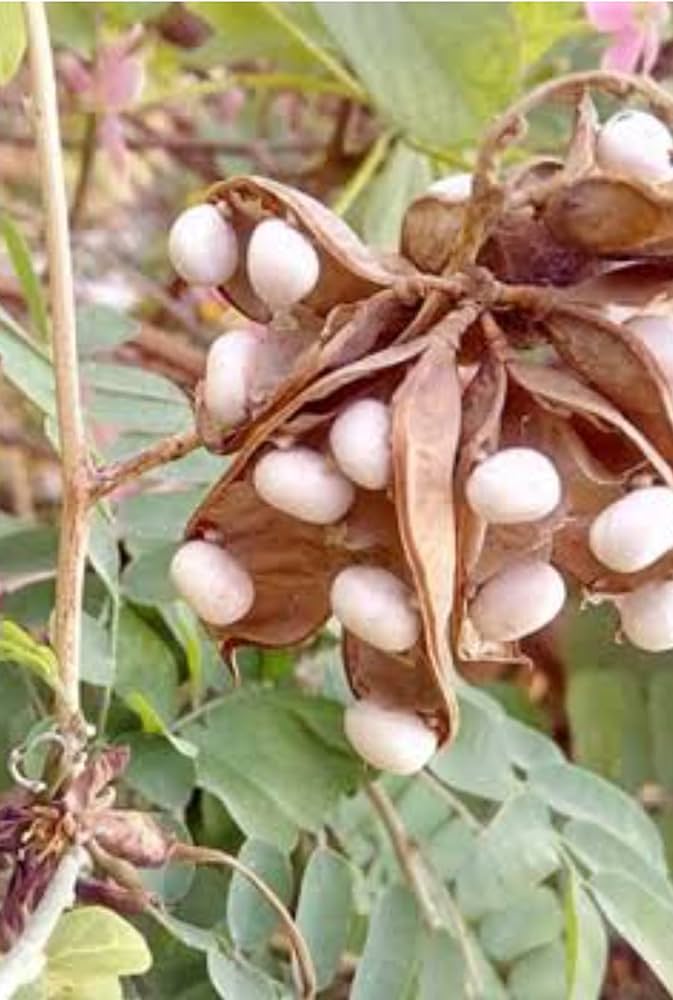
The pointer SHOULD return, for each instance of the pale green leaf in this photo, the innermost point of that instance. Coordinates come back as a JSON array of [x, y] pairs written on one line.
[[236, 979], [97, 662], [100, 987], [153, 723], [146, 664], [251, 919], [586, 943], [12, 40], [25, 364], [100, 328], [542, 24], [325, 911], [22, 263], [91, 941], [539, 975], [405, 175], [530, 921], [477, 761], [18, 646], [392, 949], [158, 772]]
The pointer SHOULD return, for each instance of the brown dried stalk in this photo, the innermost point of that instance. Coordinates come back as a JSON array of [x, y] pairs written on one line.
[[168, 449]]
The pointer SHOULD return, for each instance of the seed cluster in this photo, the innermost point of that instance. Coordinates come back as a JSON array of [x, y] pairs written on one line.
[[433, 447]]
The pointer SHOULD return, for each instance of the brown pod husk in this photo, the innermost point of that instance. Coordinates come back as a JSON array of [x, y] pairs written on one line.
[[430, 228], [349, 270], [133, 836]]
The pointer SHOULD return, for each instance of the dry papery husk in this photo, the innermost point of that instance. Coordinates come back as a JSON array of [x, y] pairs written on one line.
[[349, 270]]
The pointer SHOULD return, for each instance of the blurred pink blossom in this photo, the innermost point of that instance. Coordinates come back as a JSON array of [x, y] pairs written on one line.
[[634, 30]]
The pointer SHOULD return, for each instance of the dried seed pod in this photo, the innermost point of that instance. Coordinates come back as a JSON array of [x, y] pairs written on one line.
[[647, 616], [453, 188], [283, 266], [212, 582], [388, 738], [514, 485], [202, 246], [360, 443], [229, 370], [656, 333], [303, 483], [634, 531], [375, 605], [518, 601], [636, 144]]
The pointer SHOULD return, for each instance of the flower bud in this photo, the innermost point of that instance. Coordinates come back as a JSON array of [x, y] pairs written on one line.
[[213, 582], [389, 738], [514, 485], [518, 601], [283, 266], [453, 187], [360, 442], [375, 606], [647, 616], [636, 144], [304, 484], [634, 531], [656, 333], [202, 246], [229, 370]]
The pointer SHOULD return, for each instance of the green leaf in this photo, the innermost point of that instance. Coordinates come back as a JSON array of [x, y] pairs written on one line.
[[97, 660], [146, 579], [573, 792], [251, 919], [392, 950], [586, 943], [325, 911], [100, 987], [158, 772], [660, 706], [22, 263], [530, 921], [146, 664], [642, 919], [25, 364], [444, 972], [540, 975], [405, 175], [103, 550], [129, 398], [12, 40], [73, 25], [277, 760], [17, 646], [436, 71], [528, 747], [542, 24], [153, 723], [100, 328], [151, 518], [91, 941], [236, 979]]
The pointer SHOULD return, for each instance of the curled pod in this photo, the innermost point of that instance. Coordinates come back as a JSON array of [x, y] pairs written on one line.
[[375, 605], [304, 484], [360, 442], [647, 616], [634, 531], [230, 368], [388, 738], [202, 246], [212, 582], [636, 144], [513, 486], [517, 601], [656, 333]]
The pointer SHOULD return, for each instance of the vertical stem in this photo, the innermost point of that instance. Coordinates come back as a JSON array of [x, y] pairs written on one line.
[[74, 459]]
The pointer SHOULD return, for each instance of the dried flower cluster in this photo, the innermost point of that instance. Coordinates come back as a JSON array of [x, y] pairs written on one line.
[[428, 447]]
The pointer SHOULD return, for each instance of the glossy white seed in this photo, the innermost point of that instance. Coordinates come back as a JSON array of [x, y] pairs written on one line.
[[202, 246], [647, 616], [656, 333], [389, 739], [514, 485], [636, 144], [634, 531], [303, 483], [375, 605], [283, 266], [518, 601], [229, 371], [454, 187], [360, 443], [213, 582]]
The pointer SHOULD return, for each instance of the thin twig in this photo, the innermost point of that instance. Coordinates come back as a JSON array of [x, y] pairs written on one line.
[[169, 449], [446, 792], [74, 458], [211, 856], [25, 961], [364, 174], [87, 160], [406, 853]]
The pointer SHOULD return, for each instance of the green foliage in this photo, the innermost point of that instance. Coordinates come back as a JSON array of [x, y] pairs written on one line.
[[22, 263], [12, 40]]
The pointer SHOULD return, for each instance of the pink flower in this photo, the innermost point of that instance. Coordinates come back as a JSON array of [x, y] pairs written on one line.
[[634, 30]]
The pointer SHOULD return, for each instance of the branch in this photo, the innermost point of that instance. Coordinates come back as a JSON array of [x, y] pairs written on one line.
[[407, 854], [74, 523], [211, 856], [88, 157], [25, 960], [169, 449]]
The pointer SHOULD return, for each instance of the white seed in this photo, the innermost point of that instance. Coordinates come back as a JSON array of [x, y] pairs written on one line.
[[229, 371], [514, 485], [360, 442], [283, 266], [634, 531], [213, 582], [636, 144], [202, 246], [389, 739], [656, 333], [647, 616], [375, 605], [518, 601], [454, 187], [303, 483]]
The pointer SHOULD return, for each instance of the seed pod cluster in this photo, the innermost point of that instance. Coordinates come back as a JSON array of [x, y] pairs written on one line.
[[404, 461]]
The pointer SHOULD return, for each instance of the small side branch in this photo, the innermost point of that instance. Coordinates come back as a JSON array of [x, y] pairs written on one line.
[[169, 449]]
